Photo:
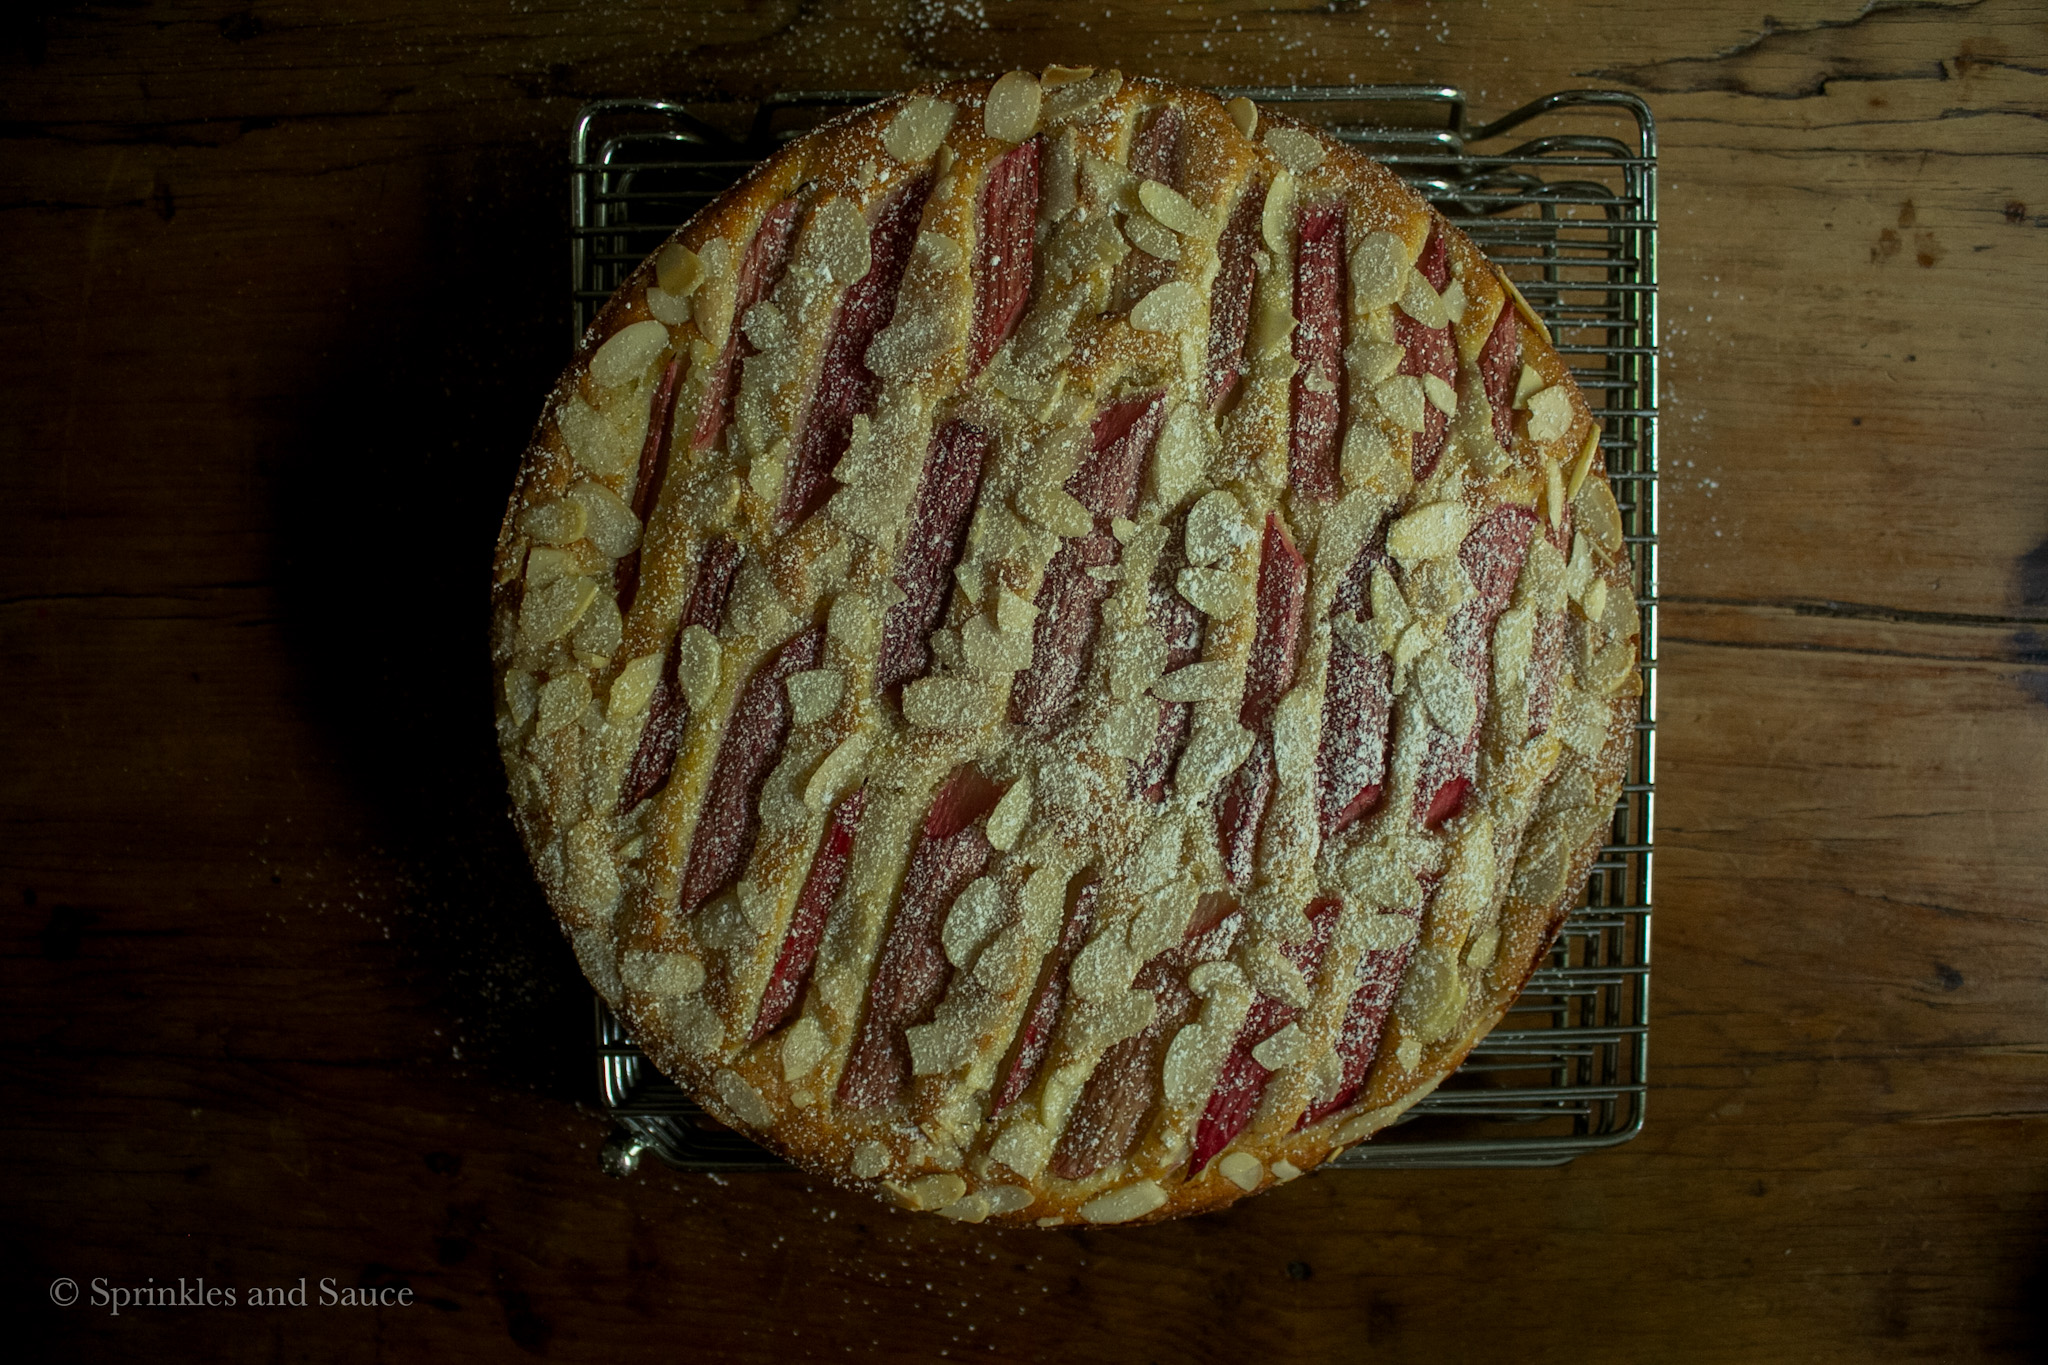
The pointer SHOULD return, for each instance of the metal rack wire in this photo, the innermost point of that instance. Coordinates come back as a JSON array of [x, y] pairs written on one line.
[[1567, 205]]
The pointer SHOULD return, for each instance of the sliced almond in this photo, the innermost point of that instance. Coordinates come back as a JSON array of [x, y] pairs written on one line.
[[1124, 1203], [1597, 516], [634, 686], [1431, 532], [1216, 526], [677, 270], [1401, 398], [1550, 413], [609, 523], [697, 662], [1056, 76], [1522, 306], [1243, 1170], [546, 616], [1152, 237], [1011, 114], [562, 702], [918, 129], [1172, 208], [555, 523], [1197, 682], [814, 695], [1276, 218], [1244, 114], [1589, 450], [1527, 382], [1172, 307], [1421, 302], [1299, 151], [628, 353], [1441, 395], [1214, 592]]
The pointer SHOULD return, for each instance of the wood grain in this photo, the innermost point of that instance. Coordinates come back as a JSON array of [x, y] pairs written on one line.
[[286, 283]]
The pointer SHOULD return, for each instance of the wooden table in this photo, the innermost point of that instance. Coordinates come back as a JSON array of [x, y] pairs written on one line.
[[283, 286]]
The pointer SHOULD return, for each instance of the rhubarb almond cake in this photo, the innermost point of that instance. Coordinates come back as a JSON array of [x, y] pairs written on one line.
[[1063, 649]]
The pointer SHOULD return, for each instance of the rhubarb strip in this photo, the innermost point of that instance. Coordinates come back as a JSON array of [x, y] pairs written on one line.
[[1107, 1119], [761, 269], [1492, 556], [1034, 1038], [1500, 364], [939, 520], [846, 388], [1242, 1081], [1230, 298], [667, 712], [912, 973], [1006, 223], [1069, 598], [1319, 330], [1428, 350], [1358, 703], [1283, 581], [807, 923], [754, 736], [1358, 1038], [653, 470]]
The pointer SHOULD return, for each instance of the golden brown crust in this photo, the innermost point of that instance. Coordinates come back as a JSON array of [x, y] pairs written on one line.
[[576, 672]]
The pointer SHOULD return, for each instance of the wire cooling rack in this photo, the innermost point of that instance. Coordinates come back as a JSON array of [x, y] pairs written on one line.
[[1562, 194]]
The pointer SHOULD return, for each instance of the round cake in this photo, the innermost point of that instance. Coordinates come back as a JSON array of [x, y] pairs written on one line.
[[1063, 649]]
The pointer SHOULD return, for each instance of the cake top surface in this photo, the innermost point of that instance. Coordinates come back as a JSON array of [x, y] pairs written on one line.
[[1060, 646]]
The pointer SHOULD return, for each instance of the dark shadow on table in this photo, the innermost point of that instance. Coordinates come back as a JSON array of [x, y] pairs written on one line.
[[390, 480]]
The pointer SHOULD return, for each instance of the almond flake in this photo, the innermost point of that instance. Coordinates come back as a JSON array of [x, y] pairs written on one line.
[[1216, 526], [595, 443], [1197, 682], [835, 773], [933, 1191], [803, 1047], [1214, 592], [1281, 1050], [1276, 220], [1151, 237], [555, 523], [1285, 1170], [633, 687], [815, 694], [1441, 395], [562, 701], [1522, 306], [1589, 450], [1550, 413], [1170, 207], [1172, 307], [546, 616], [1057, 510], [1298, 150], [1401, 398], [1553, 495], [1007, 820], [870, 1159], [916, 132], [1420, 302], [668, 310], [948, 704], [1527, 382], [1057, 76], [1244, 114], [1011, 114], [609, 523], [1126, 1202], [697, 659], [1374, 360], [1243, 1170], [1597, 516], [678, 270], [1431, 532], [628, 353]]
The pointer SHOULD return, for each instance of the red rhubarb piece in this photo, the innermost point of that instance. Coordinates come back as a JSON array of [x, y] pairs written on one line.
[[1365, 1017], [1546, 655], [807, 922], [1034, 1039], [1319, 307], [1004, 228], [1230, 298], [1500, 365], [1428, 350], [1358, 704], [1243, 1077], [846, 387], [661, 418], [1492, 555], [939, 519], [1068, 601], [1110, 1114], [666, 710], [1183, 629], [753, 741], [1156, 152], [761, 269], [912, 973], [1283, 581]]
